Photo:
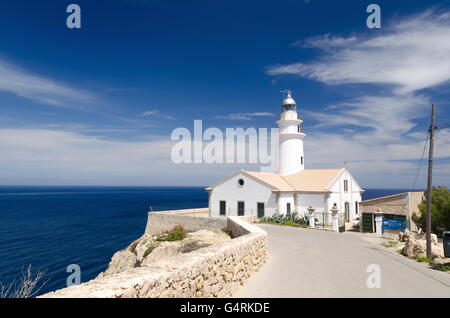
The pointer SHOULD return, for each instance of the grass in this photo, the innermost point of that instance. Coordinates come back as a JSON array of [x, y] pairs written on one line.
[[389, 244], [150, 249], [425, 260], [400, 251], [178, 233], [192, 246]]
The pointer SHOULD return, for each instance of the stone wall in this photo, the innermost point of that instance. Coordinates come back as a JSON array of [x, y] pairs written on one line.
[[192, 220], [214, 271], [240, 225], [395, 204]]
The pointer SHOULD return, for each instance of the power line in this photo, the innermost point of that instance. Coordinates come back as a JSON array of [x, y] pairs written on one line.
[[444, 126], [420, 162]]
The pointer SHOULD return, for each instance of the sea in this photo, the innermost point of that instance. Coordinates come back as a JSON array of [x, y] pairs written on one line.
[[52, 227]]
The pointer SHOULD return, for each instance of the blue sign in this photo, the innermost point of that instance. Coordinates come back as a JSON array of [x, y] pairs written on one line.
[[397, 225]]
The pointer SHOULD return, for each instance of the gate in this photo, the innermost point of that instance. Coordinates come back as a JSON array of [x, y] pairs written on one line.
[[367, 222], [393, 222], [342, 218], [323, 220], [396, 225]]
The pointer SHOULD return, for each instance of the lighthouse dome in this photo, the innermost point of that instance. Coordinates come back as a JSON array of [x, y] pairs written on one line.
[[288, 100]]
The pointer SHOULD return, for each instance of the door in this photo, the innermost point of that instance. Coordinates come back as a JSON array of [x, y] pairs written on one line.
[[260, 210], [347, 212], [241, 208], [366, 222]]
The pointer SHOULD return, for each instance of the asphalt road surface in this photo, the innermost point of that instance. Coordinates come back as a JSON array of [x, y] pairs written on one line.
[[314, 263]]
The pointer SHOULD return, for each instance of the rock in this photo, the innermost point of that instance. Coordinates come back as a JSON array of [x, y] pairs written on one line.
[[418, 247], [200, 282], [163, 251], [120, 262], [400, 236], [437, 251], [407, 234], [129, 293], [434, 238], [142, 245]]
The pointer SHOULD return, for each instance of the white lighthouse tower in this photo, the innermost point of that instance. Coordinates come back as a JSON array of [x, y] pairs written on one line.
[[291, 156]]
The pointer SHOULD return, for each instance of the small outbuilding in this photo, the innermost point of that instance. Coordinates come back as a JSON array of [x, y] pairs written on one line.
[[393, 207]]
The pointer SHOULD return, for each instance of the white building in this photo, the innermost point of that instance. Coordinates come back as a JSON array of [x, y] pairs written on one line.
[[293, 188]]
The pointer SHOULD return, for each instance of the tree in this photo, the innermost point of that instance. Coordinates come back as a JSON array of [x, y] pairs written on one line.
[[440, 211], [27, 287]]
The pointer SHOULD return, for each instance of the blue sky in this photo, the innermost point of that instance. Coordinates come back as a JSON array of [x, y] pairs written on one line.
[[97, 105]]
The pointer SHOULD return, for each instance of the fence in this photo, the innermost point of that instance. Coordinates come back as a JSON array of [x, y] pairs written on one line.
[[323, 220]]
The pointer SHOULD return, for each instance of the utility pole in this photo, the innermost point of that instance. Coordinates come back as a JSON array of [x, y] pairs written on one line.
[[430, 177]]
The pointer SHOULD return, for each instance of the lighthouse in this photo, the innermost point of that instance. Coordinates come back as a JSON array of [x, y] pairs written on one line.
[[291, 157], [292, 188]]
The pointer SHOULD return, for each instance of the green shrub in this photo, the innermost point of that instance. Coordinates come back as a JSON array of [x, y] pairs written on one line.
[[425, 260], [291, 219], [150, 249], [443, 267], [178, 233], [440, 211], [192, 246]]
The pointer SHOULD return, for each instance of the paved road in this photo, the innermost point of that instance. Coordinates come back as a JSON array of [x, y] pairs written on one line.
[[313, 263]]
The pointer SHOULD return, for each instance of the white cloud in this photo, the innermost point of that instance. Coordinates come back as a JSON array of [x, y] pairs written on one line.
[[374, 163], [326, 41], [411, 54], [388, 117], [245, 116], [44, 156], [150, 112], [156, 113], [42, 89]]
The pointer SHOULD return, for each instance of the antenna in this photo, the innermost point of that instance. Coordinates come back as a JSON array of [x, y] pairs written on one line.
[[286, 92]]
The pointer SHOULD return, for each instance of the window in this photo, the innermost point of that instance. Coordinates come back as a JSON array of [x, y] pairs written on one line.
[[223, 206], [260, 206], [241, 182], [356, 207], [345, 185], [298, 128], [288, 207], [241, 208], [301, 159]]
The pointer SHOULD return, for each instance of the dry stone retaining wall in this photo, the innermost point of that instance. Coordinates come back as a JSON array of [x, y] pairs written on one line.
[[214, 271], [191, 220]]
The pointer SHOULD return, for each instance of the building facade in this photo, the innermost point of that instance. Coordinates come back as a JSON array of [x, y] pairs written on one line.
[[398, 206], [293, 188]]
